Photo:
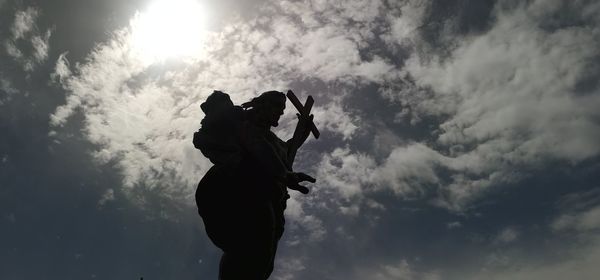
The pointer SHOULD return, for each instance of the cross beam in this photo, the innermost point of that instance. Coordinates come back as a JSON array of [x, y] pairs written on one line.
[[304, 110]]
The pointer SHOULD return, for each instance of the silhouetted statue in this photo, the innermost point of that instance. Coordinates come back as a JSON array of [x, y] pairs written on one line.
[[241, 198]]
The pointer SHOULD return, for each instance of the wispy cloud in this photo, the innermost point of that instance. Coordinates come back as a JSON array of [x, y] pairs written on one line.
[[107, 196], [7, 90], [24, 22], [581, 212], [24, 30], [62, 69], [145, 121], [510, 100], [507, 235], [402, 271], [580, 258], [513, 97], [504, 101], [491, 107]]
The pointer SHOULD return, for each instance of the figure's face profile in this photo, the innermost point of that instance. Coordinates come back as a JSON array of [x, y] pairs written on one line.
[[275, 112], [270, 106]]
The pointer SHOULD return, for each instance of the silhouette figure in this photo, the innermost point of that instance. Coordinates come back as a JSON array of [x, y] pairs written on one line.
[[242, 197]]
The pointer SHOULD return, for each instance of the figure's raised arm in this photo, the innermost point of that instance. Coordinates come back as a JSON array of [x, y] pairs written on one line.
[[304, 126]]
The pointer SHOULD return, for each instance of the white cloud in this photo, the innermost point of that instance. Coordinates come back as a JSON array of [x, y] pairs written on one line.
[[108, 195], [326, 42], [408, 170], [401, 270], [516, 85], [145, 126], [507, 235], [314, 226], [346, 172], [581, 213], [404, 21], [286, 268], [575, 246], [40, 46], [333, 117], [144, 122], [12, 50], [583, 266], [8, 90], [24, 22], [24, 28], [453, 225], [589, 220], [62, 69], [509, 99]]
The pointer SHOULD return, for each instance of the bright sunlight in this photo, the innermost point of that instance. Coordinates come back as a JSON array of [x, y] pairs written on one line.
[[169, 29]]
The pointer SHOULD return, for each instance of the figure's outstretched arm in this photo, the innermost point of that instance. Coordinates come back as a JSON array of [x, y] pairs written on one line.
[[300, 135], [304, 127]]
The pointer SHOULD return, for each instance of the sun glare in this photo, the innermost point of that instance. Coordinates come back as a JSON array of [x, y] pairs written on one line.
[[169, 29]]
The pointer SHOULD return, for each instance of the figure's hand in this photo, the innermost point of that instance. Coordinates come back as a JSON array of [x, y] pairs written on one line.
[[300, 188], [305, 177], [293, 181]]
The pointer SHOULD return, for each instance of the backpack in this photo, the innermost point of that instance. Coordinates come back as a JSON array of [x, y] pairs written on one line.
[[217, 139]]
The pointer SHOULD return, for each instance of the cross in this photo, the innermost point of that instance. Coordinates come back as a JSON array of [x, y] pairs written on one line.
[[304, 110]]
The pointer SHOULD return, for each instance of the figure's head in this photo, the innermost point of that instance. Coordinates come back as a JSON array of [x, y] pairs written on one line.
[[215, 102], [269, 106]]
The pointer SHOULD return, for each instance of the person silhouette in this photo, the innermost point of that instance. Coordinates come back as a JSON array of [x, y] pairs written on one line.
[[242, 197]]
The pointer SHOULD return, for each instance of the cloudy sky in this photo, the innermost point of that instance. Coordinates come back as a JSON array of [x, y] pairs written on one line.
[[460, 139]]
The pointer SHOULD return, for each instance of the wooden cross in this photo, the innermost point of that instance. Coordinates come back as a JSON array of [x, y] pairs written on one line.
[[304, 110]]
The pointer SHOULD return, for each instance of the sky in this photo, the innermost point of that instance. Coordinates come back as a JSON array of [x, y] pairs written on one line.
[[459, 139]]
